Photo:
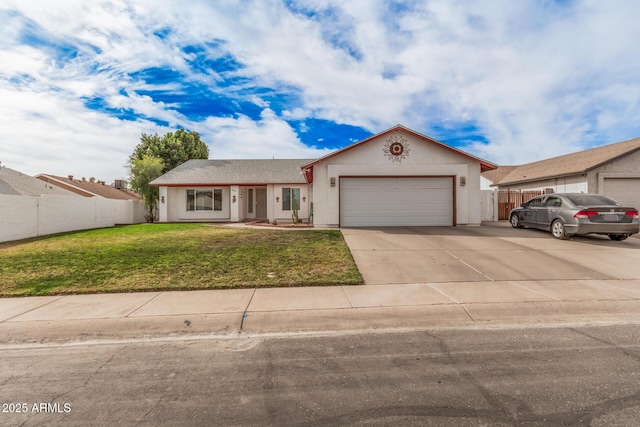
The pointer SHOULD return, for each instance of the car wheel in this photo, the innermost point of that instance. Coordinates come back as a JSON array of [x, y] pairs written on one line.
[[515, 221], [557, 229], [618, 237]]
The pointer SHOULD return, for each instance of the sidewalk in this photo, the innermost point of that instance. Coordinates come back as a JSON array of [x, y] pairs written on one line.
[[316, 309]]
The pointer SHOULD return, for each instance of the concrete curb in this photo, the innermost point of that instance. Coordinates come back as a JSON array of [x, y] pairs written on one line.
[[316, 309]]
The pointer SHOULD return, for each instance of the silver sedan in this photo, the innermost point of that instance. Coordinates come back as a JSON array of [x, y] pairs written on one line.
[[566, 214]]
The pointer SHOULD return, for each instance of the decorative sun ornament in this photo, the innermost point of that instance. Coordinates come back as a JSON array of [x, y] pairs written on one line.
[[396, 148]]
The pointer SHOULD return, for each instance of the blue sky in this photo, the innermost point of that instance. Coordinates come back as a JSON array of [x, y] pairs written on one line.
[[508, 81]]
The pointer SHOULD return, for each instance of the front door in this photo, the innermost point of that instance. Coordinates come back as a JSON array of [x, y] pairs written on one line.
[[261, 203]]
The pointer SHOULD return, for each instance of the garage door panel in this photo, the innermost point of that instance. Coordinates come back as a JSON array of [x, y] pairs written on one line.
[[418, 201], [397, 183], [624, 190]]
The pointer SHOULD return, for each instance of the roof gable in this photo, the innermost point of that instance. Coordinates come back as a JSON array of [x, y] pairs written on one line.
[[484, 165], [496, 175], [89, 189], [570, 164], [16, 183]]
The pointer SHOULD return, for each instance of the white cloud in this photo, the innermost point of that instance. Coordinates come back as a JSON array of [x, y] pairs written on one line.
[[537, 79], [243, 138], [45, 133], [531, 77]]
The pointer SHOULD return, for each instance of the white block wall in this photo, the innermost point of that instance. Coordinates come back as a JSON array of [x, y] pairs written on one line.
[[18, 217], [22, 217]]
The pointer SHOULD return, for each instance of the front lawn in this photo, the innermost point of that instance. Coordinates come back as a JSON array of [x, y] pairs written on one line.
[[151, 257]]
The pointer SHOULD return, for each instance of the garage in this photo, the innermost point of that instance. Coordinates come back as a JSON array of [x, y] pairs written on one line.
[[396, 178], [396, 201], [624, 190]]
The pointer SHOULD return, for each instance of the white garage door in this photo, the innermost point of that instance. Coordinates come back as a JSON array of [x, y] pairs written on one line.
[[396, 202], [624, 190]]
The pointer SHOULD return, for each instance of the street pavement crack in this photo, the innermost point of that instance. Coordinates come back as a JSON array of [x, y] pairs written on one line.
[[270, 400], [153, 408], [96, 372], [493, 401], [635, 355]]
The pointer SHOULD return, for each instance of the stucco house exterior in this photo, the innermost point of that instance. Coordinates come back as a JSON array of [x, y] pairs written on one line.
[[234, 190], [395, 178], [612, 170]]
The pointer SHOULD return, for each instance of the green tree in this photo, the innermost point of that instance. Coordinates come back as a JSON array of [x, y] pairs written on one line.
[[156, 155], [143, 171], [174, 148]]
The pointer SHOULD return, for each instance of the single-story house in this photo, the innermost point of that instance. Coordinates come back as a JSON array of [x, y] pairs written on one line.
[[487, 179], [234, 190], [15, 183], [612, 170], [91, 187], [395, 178]]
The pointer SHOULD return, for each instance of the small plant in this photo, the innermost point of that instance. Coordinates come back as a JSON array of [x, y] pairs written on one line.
[[294, 216]]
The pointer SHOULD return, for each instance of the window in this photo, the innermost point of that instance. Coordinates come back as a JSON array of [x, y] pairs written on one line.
[[250, 201], [204, 200], [217, 200], [591, 199], [535, 203], [553, 202], [191, 200], [290, 199]]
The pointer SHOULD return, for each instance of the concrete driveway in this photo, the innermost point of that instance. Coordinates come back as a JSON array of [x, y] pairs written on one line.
[[492, 252]]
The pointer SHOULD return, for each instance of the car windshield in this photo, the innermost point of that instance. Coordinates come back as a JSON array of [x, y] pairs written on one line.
[[591, 199]]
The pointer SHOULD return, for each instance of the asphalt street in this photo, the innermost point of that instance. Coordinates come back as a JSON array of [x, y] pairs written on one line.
[[569, 375]]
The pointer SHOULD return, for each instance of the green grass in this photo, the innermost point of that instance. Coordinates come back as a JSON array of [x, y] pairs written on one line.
[[173, 257]]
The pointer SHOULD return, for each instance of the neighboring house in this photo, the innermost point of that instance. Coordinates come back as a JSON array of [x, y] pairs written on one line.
[[395, 178], [91, 188], [16, 183], [31, 207], [490, 177], [612, 170]]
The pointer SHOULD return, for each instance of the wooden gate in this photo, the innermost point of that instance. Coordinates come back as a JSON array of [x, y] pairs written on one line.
[[508, 200]]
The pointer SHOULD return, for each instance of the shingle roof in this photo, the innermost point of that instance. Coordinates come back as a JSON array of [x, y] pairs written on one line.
[[497, 174], [90, 189], [569, 164], [227, 172], [16, 183]]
